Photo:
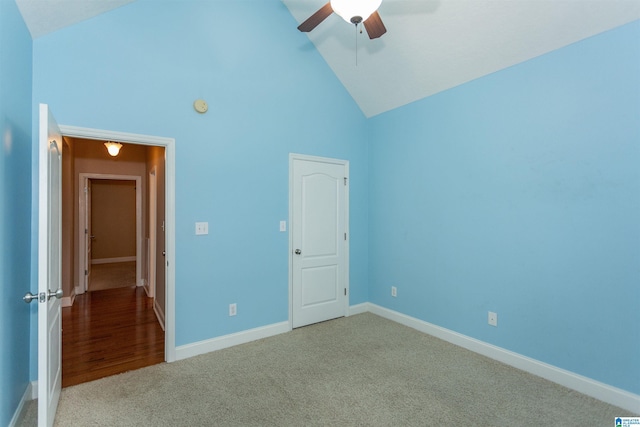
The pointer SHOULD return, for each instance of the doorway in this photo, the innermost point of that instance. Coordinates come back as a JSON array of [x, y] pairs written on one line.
[[157, 156], [110, 226]]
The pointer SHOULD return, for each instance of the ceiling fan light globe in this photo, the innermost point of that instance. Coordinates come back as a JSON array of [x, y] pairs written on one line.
[[347, 9]]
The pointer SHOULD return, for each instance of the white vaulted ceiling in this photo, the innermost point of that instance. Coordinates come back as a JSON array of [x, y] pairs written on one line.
[[434, 45], [430, 45], [46, 16]]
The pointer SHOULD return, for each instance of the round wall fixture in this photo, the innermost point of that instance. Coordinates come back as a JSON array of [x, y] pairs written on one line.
[[200, 105]]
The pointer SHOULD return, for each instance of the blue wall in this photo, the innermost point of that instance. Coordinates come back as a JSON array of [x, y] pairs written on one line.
[[519, 193], [140, 67], [515, 193], [15, 206]]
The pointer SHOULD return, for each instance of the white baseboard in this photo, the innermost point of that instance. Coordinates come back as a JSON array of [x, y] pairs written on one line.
[[19, 414], [112, 260], [159, 313], [68, 301], [207, 346], [358, 309], [146, 288], [584, 385]]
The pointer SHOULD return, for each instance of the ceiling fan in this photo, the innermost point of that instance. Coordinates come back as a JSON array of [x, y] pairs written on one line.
[[352, 11]]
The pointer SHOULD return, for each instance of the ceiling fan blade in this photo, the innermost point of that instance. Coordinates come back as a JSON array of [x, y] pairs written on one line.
[[375, 27], [316, 18]]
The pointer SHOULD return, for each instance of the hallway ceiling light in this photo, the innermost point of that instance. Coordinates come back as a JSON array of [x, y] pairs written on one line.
[[113, 148]]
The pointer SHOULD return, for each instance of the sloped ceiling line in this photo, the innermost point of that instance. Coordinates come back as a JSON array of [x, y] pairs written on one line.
[[430, 45]]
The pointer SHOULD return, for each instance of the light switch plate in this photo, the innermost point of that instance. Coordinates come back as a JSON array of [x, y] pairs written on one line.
[[202, 228], [493, 318], [283, 225]]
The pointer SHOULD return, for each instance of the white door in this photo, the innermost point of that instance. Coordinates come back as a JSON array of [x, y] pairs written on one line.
[[49, 266], [319, 248]]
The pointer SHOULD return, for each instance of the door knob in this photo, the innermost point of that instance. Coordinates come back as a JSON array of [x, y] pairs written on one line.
[[28, 297], [58, 294], [298, 251]]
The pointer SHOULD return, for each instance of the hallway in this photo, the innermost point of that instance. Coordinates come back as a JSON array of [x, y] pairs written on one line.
[[112, 275], [108, 332]]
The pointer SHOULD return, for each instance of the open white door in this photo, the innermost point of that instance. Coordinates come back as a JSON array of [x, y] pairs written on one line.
[[49, 268]]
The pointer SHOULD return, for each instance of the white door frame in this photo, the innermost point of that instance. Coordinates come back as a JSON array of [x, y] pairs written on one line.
[[169, 145], [150, 286], [82, 247], [345, 163]]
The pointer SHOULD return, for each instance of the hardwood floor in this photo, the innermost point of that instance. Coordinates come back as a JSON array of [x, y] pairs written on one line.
[[109, 332]]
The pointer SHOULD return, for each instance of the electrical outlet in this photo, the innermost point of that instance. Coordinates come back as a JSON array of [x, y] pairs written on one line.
[[202, 228], [493, 318], [394, 291], [233, 309]]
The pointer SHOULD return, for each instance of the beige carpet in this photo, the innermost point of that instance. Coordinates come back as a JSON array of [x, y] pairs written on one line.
[[357, 371], [112, 275]]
